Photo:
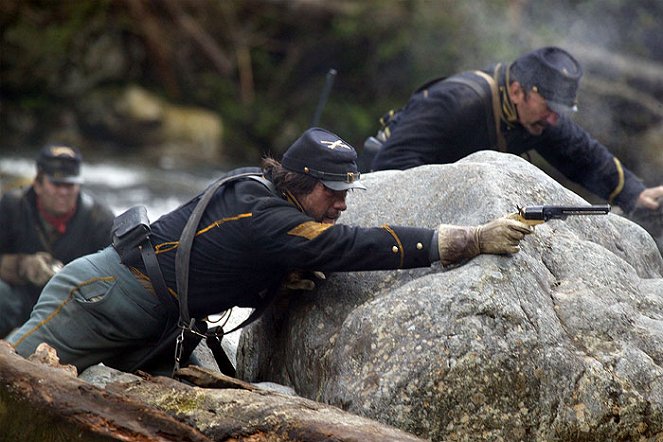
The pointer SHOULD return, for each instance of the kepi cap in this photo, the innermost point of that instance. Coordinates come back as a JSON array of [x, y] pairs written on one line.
[[62, 164], [325, 156], [553, 73]]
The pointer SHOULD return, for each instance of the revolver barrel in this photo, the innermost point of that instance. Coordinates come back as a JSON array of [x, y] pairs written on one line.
[[533, 215]]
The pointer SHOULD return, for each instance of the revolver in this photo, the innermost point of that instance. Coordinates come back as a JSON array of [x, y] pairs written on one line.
[[534, 215]]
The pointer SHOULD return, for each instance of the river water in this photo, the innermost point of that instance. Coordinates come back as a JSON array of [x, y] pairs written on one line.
[[124, 184]]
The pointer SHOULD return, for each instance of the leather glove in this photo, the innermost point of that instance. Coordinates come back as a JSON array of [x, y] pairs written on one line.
[[298, 280], [38, 268], [500, 236], [9, 269]]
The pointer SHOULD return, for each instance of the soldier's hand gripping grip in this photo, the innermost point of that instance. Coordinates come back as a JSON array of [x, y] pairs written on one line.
[[500, 236]]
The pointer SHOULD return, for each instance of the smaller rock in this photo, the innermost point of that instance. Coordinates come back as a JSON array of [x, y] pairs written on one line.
[[100, 375], [46, 354]]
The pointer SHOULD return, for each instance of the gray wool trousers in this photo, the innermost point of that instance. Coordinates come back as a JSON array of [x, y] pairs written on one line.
[[95, 310]]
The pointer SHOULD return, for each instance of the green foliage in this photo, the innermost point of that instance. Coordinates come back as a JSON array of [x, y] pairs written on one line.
[[37, 44], [261, 64]]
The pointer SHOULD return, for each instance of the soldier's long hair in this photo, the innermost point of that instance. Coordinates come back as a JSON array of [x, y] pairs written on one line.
[[286, 181]]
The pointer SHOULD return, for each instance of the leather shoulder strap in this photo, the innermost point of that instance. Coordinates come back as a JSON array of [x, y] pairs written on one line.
[[183, 255], [501, 142]]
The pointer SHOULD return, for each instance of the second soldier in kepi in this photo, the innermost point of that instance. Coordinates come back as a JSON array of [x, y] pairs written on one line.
[[255, 228], [50, 223], [512, 108]]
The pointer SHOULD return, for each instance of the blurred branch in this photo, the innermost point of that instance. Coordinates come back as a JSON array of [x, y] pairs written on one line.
[[156, 43], [515, 12], [247, 90], [194, 30], [240, 40]]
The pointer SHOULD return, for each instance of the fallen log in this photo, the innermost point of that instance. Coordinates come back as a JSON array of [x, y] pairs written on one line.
[[40, 402], [239, 411]]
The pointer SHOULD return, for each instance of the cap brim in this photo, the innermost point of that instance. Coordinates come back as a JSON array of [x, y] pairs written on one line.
[[561, 109], [74, 179], [342, 185]]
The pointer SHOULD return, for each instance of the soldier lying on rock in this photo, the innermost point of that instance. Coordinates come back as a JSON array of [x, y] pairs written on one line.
[[512, 108], [256, 227]]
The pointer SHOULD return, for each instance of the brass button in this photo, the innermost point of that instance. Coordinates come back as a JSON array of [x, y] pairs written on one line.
[[394, 249], [420, 246]]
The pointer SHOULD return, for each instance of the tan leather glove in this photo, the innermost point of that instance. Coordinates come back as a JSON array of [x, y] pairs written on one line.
[[500, 236], [9, 269], [38, 268], [298, 280]]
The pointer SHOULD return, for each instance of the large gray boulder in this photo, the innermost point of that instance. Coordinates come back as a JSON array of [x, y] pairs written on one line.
[[563, 341]]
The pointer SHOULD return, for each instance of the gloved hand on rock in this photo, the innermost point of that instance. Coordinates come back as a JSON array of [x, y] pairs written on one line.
[[298, 280], [500, 236]]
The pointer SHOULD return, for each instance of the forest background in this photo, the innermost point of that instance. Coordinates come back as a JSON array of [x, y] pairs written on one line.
[[260, 66]]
